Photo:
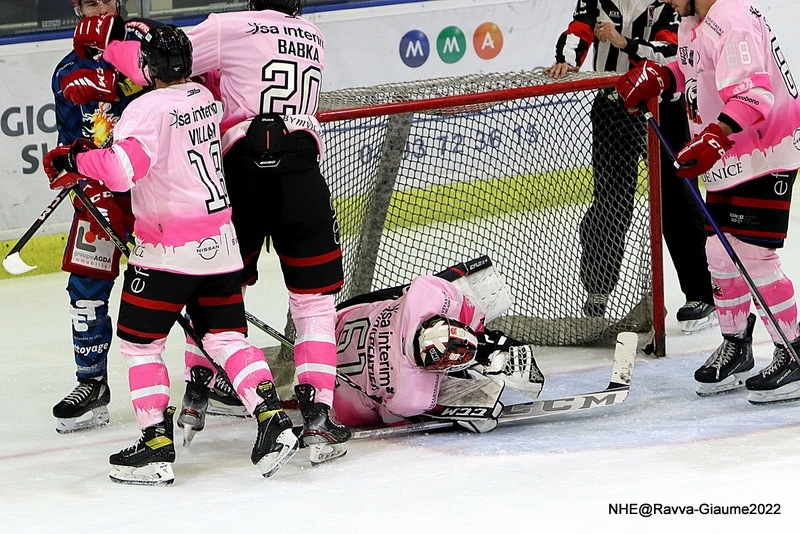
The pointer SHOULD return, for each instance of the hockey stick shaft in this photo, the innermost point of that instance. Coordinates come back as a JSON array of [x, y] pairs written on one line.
[[9, 259], [723, 239]]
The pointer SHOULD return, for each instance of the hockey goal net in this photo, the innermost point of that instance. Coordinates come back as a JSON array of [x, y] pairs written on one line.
[[430, 173]]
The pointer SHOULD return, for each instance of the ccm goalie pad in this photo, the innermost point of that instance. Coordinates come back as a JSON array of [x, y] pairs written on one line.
[[473, 403]]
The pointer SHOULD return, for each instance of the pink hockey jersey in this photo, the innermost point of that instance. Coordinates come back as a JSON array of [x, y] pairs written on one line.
[[730, 62], [268, 62], [167, 152], [375, 345]]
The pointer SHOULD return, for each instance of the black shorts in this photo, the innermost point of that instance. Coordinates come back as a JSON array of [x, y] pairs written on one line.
[[757, 211], [151, 301], [290, 204]]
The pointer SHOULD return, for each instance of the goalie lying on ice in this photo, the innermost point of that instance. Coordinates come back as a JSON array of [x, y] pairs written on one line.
[[426, 352]]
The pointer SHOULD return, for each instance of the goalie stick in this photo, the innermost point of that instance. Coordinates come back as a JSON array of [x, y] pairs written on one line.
[[615, 393]]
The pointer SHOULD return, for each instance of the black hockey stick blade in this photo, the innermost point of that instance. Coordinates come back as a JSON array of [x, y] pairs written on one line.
[[615, 393], [13, 263]]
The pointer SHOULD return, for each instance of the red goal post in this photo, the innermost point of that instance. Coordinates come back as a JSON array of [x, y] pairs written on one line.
[[427, 174]]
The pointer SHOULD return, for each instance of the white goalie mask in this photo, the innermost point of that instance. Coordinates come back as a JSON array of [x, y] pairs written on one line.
[[445, 345]]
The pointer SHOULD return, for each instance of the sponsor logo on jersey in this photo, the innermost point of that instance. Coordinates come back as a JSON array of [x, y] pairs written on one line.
[[208, 248]]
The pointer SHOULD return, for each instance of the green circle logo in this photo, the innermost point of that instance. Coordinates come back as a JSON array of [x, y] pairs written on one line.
[[451, 44]]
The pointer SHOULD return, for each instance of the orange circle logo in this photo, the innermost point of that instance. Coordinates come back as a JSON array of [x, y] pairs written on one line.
[[487, 40]]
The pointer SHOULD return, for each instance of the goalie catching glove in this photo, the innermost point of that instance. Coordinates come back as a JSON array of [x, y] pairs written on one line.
[[92, 34], [642, 83], [702, 152], [90, 85], [61, 166], [517, 368]]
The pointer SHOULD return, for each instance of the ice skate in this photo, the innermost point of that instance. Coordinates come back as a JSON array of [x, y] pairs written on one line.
[[595, 305], [777, 382], [90, 395], [695, 316], [324, 437], [517, 368], [223, 400], [275, 443], [195, 402], [148, 462], [729, 365]]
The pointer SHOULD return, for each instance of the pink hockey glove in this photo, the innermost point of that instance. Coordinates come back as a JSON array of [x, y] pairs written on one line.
[[702, 152]]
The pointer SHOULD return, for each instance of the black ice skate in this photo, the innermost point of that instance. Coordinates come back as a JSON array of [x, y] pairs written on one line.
[[90, 395], [324, 437], [275, 442], [696, 315], [148, 462], [223, 400], [595, 305], [195, 402], [729, 365], [777, 382]]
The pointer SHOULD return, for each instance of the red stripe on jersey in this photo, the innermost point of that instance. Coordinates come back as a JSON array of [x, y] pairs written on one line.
[[150, 304], [313, 260], [137, 333], [241, 330], [782, 205], [220, 301], [327, 289], [582, 31], [667, 36], [748, 233]]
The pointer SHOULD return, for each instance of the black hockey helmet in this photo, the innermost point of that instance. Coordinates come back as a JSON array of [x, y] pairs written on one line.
[[444, 344], [290, 7], [166, 54]]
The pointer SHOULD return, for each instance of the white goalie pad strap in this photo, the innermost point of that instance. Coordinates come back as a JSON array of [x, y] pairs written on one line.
[[487, 290]]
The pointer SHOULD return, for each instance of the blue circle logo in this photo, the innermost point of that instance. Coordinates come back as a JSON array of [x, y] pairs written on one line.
[[414, 48]]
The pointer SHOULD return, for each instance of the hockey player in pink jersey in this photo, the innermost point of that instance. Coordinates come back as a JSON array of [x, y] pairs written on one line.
[[425, 352], [744, 113], [269, 62], [167, 152]]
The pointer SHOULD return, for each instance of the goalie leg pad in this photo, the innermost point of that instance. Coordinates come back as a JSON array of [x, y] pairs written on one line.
[[487, 290]]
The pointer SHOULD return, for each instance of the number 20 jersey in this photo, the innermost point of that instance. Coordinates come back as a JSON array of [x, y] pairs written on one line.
[[268, 62]]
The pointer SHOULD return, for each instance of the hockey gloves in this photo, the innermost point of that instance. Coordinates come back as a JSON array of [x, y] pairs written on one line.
[[60, 164], [106, 203], [92, 34], [90, 85], [702, 152], [642, 83]]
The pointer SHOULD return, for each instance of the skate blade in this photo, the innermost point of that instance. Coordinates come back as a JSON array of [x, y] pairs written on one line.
[[322, 453], [273, 461], [732, 383], [225, 410], [95, 418], [153, 474], [697, 325], [788, 393], [188, 435]]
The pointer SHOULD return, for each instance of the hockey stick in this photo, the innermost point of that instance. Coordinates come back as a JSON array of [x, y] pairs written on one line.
[[13, 263], [724, 240], [616, 392]]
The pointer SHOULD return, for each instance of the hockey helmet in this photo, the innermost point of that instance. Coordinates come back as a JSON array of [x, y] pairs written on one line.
[[166, 54], [290, 7], [444, 344]]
